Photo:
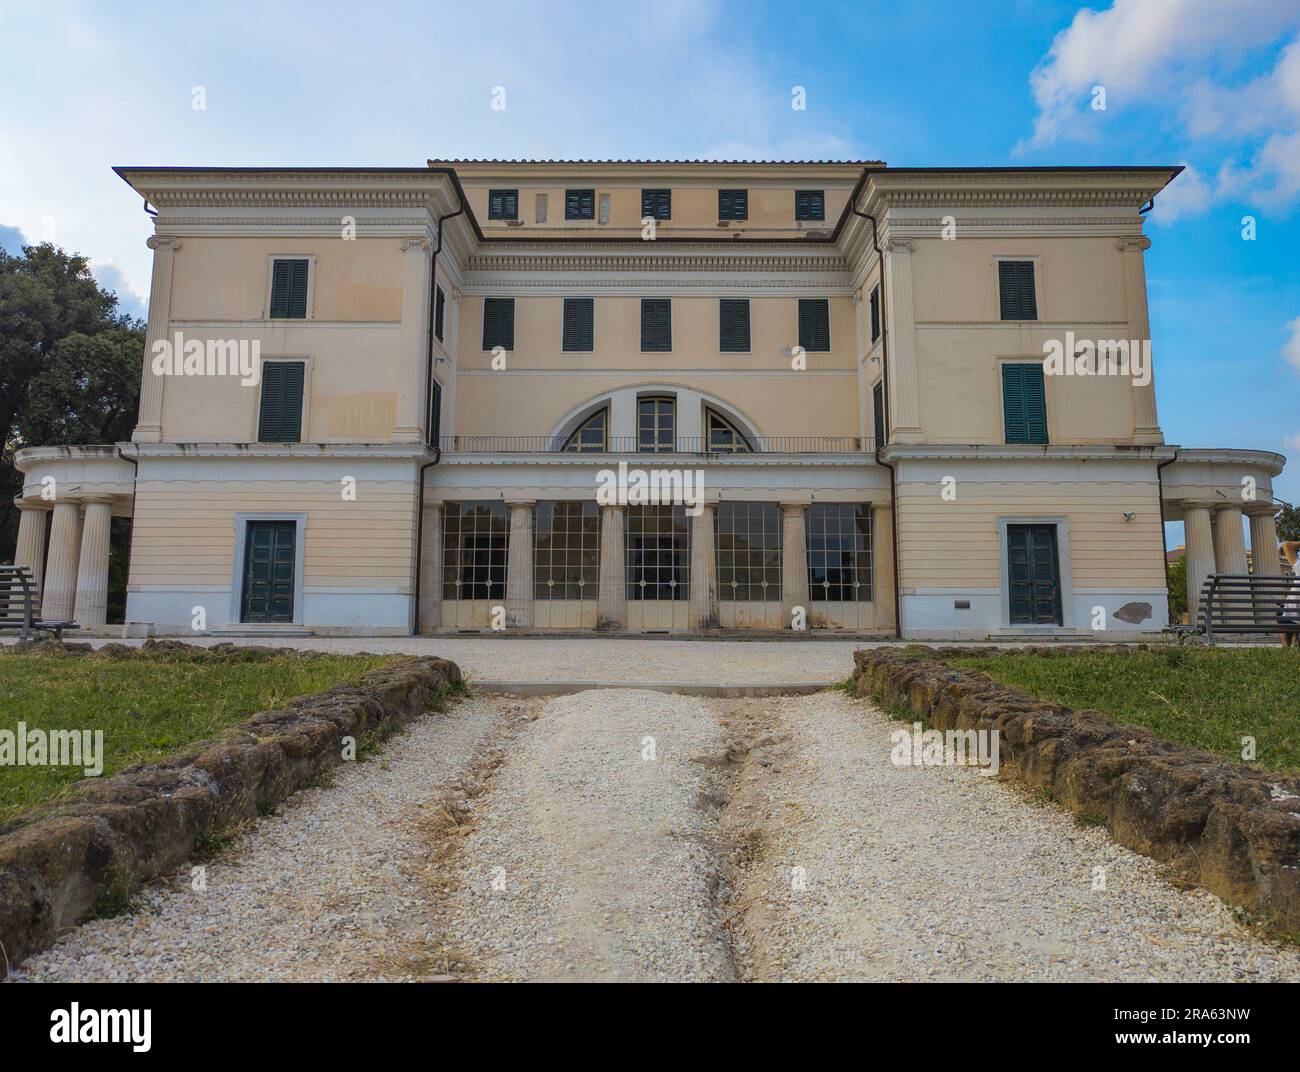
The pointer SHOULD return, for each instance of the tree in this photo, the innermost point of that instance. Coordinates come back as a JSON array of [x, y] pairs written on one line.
[[1288, 524], [1177, 574], [70, 367]]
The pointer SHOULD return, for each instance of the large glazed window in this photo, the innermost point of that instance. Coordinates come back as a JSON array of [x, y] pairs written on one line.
[[656, 424], [749, 552], [566, 550], [475, 536], [658, 552], [839, 552], [590, 437]]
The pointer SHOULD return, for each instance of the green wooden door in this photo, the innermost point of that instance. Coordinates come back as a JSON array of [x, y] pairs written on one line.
[[269, 568], [1034, 576]]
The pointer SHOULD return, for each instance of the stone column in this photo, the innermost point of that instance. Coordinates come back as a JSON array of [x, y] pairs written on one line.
[[611, 604], [30, 551], [1264, 557], [413, 356], [1263, 542], [92, 570], [1146, 428], [882, 564], [148, 428], [519, 567], [794, 561], [1229, 543], [900, 322], [430, 566], [59, 598], [1200, 555], [702, 612]]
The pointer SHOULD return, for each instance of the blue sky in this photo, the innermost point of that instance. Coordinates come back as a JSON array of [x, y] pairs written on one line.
[[1215, 86]]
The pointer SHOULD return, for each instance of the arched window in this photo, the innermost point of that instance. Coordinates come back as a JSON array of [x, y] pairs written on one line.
[[725, 437], [589, 436]]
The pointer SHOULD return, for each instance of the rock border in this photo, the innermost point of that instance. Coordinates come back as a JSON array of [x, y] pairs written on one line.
[[1227, 827], [119, 832]]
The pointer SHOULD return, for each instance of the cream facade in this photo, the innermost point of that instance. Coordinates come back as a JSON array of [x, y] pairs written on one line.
[[839, 371]]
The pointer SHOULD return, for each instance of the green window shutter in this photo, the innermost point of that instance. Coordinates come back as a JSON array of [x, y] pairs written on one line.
[[878, 411], [435, 412], [1024, 403], [578, 324], [809, 204], [657, 204], [875, 313], [503, 204], [499, 323], [579, 204], [439, 314], [656, 325], [1016, 290], [814, 324], [733, 325], [733, 204], [280, 417], [289, 289]]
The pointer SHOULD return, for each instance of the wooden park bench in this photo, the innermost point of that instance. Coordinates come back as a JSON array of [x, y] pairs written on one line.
[[18, 608], [1234, 603]]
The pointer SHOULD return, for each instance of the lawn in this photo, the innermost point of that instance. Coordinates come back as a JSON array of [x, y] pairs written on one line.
[[1209, 698], [147, 707]]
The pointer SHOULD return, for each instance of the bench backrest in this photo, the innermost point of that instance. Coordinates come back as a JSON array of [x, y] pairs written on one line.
[[1248, 603], [17, 595]]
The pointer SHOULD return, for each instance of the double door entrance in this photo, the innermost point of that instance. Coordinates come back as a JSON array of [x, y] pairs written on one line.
[[1033, 575]]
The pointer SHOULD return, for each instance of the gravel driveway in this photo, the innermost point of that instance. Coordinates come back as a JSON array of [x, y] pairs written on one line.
[[542, 839]]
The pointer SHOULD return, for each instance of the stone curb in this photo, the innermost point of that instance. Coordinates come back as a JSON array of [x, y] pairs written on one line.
[[119, 832], [1222, 825]]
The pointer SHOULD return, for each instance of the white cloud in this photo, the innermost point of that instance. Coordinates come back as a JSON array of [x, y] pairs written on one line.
[[1177, 57], [110, 276], [1291, 348], [1291, 442], [1187, 195]]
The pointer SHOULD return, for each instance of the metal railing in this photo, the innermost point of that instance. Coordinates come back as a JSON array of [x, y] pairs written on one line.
[[692, 445], [1249, 603]]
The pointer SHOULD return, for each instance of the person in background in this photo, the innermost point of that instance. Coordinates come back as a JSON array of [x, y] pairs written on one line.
[[1289, 614]]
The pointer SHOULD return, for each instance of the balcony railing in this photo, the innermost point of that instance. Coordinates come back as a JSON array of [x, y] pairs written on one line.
[[693, 445]]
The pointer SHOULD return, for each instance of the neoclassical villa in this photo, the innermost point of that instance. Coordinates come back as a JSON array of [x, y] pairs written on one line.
[[644, 396]]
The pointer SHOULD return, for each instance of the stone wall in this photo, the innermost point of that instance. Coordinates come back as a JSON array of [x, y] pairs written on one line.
[[116, 833], [1223, 825]]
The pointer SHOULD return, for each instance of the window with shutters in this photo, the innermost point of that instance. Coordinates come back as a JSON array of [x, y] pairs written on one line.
[[875, 312], [1024, 403], [590, 436], [733, 325], [579, 204], [503, 204], [439, 313], [279, 419], [289, 288], [499, 323], [435, 412], [578, 327], [656, 325], [657, 204], [810, 204], [1016, 290], [733, 204], [814, 324], [878, 412]]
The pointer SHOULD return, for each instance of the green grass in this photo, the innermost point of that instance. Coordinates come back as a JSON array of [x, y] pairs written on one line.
[[147, 707], [1209, 698]]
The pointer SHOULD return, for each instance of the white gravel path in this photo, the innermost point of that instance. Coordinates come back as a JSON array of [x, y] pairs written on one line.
[[596, 659], [530, 839], [331, 888], [944, 874], [589, 859]]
